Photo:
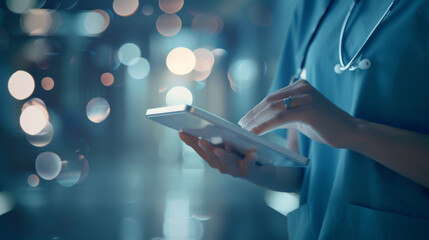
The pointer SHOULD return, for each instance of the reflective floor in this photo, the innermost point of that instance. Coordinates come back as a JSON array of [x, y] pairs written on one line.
[[79, 159]]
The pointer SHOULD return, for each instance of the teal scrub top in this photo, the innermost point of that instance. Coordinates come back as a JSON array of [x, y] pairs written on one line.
[[346, 195]]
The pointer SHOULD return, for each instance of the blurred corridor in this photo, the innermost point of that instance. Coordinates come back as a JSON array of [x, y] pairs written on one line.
[[78, 158]]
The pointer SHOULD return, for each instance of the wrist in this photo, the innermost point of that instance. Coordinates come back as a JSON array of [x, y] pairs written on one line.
[[357, 134]]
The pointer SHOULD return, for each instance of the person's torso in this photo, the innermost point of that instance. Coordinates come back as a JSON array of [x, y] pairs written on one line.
[[345, 194]]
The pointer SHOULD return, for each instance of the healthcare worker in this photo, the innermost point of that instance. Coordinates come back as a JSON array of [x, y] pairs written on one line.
[[361, 117]]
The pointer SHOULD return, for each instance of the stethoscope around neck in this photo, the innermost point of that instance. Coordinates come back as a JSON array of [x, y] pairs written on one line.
[[351, 65]]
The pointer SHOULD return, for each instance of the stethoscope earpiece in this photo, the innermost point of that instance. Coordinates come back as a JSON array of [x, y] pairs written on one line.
[[337, 69], [365, 64]]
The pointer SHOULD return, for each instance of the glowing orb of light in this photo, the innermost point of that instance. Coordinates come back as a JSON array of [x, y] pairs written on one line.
[[219, 53], [70, 173], [47, 83], [201, 76], [97, 110], [204, 59], [125, 8], [33, 180], [178, 95], [84, 166], [168, 25], [128, 53], [43, 138], [107, 79], [171, 6], [33, 120], [48, 165], [21, 85], [181, 61], [37, 102], [147, 10], [37, 22], [96, 21], [22, 6], [140, 69], [243, 74]]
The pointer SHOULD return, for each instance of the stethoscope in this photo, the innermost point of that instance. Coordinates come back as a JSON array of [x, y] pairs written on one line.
[[342, 66]]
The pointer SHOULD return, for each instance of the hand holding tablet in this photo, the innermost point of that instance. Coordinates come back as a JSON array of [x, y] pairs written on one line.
[[204, 125]]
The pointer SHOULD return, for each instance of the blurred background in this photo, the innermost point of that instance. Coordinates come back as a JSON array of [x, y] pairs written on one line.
[[78, 158]]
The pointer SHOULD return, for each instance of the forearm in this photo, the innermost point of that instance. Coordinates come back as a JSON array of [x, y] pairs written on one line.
[[405, 152]]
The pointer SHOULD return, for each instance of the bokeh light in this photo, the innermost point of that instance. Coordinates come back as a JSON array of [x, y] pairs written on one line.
[[84, 167], [22, 6], [33, 120], [48, 165], [168, 25], [201, 76], [125, 8], [243, 74], [41, 51], [43, 138], [107, 79], [95, 22], [178, 95], [21, 85], [204, 59], [47, 83], [128, 53], [181, 61], [207, 24], [171, 6], [33, 180], [37, 22], [36, 102], [219, 53], [70, 173], [147, 9], [97, 110], [139, 69]]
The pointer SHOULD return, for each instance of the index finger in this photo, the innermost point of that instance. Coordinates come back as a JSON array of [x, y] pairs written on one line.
[[285, 92]]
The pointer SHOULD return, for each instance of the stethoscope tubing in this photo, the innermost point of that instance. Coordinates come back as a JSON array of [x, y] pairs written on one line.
[[349, 65]]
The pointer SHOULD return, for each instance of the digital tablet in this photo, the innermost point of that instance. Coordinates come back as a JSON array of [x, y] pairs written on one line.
[[202, 124]]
